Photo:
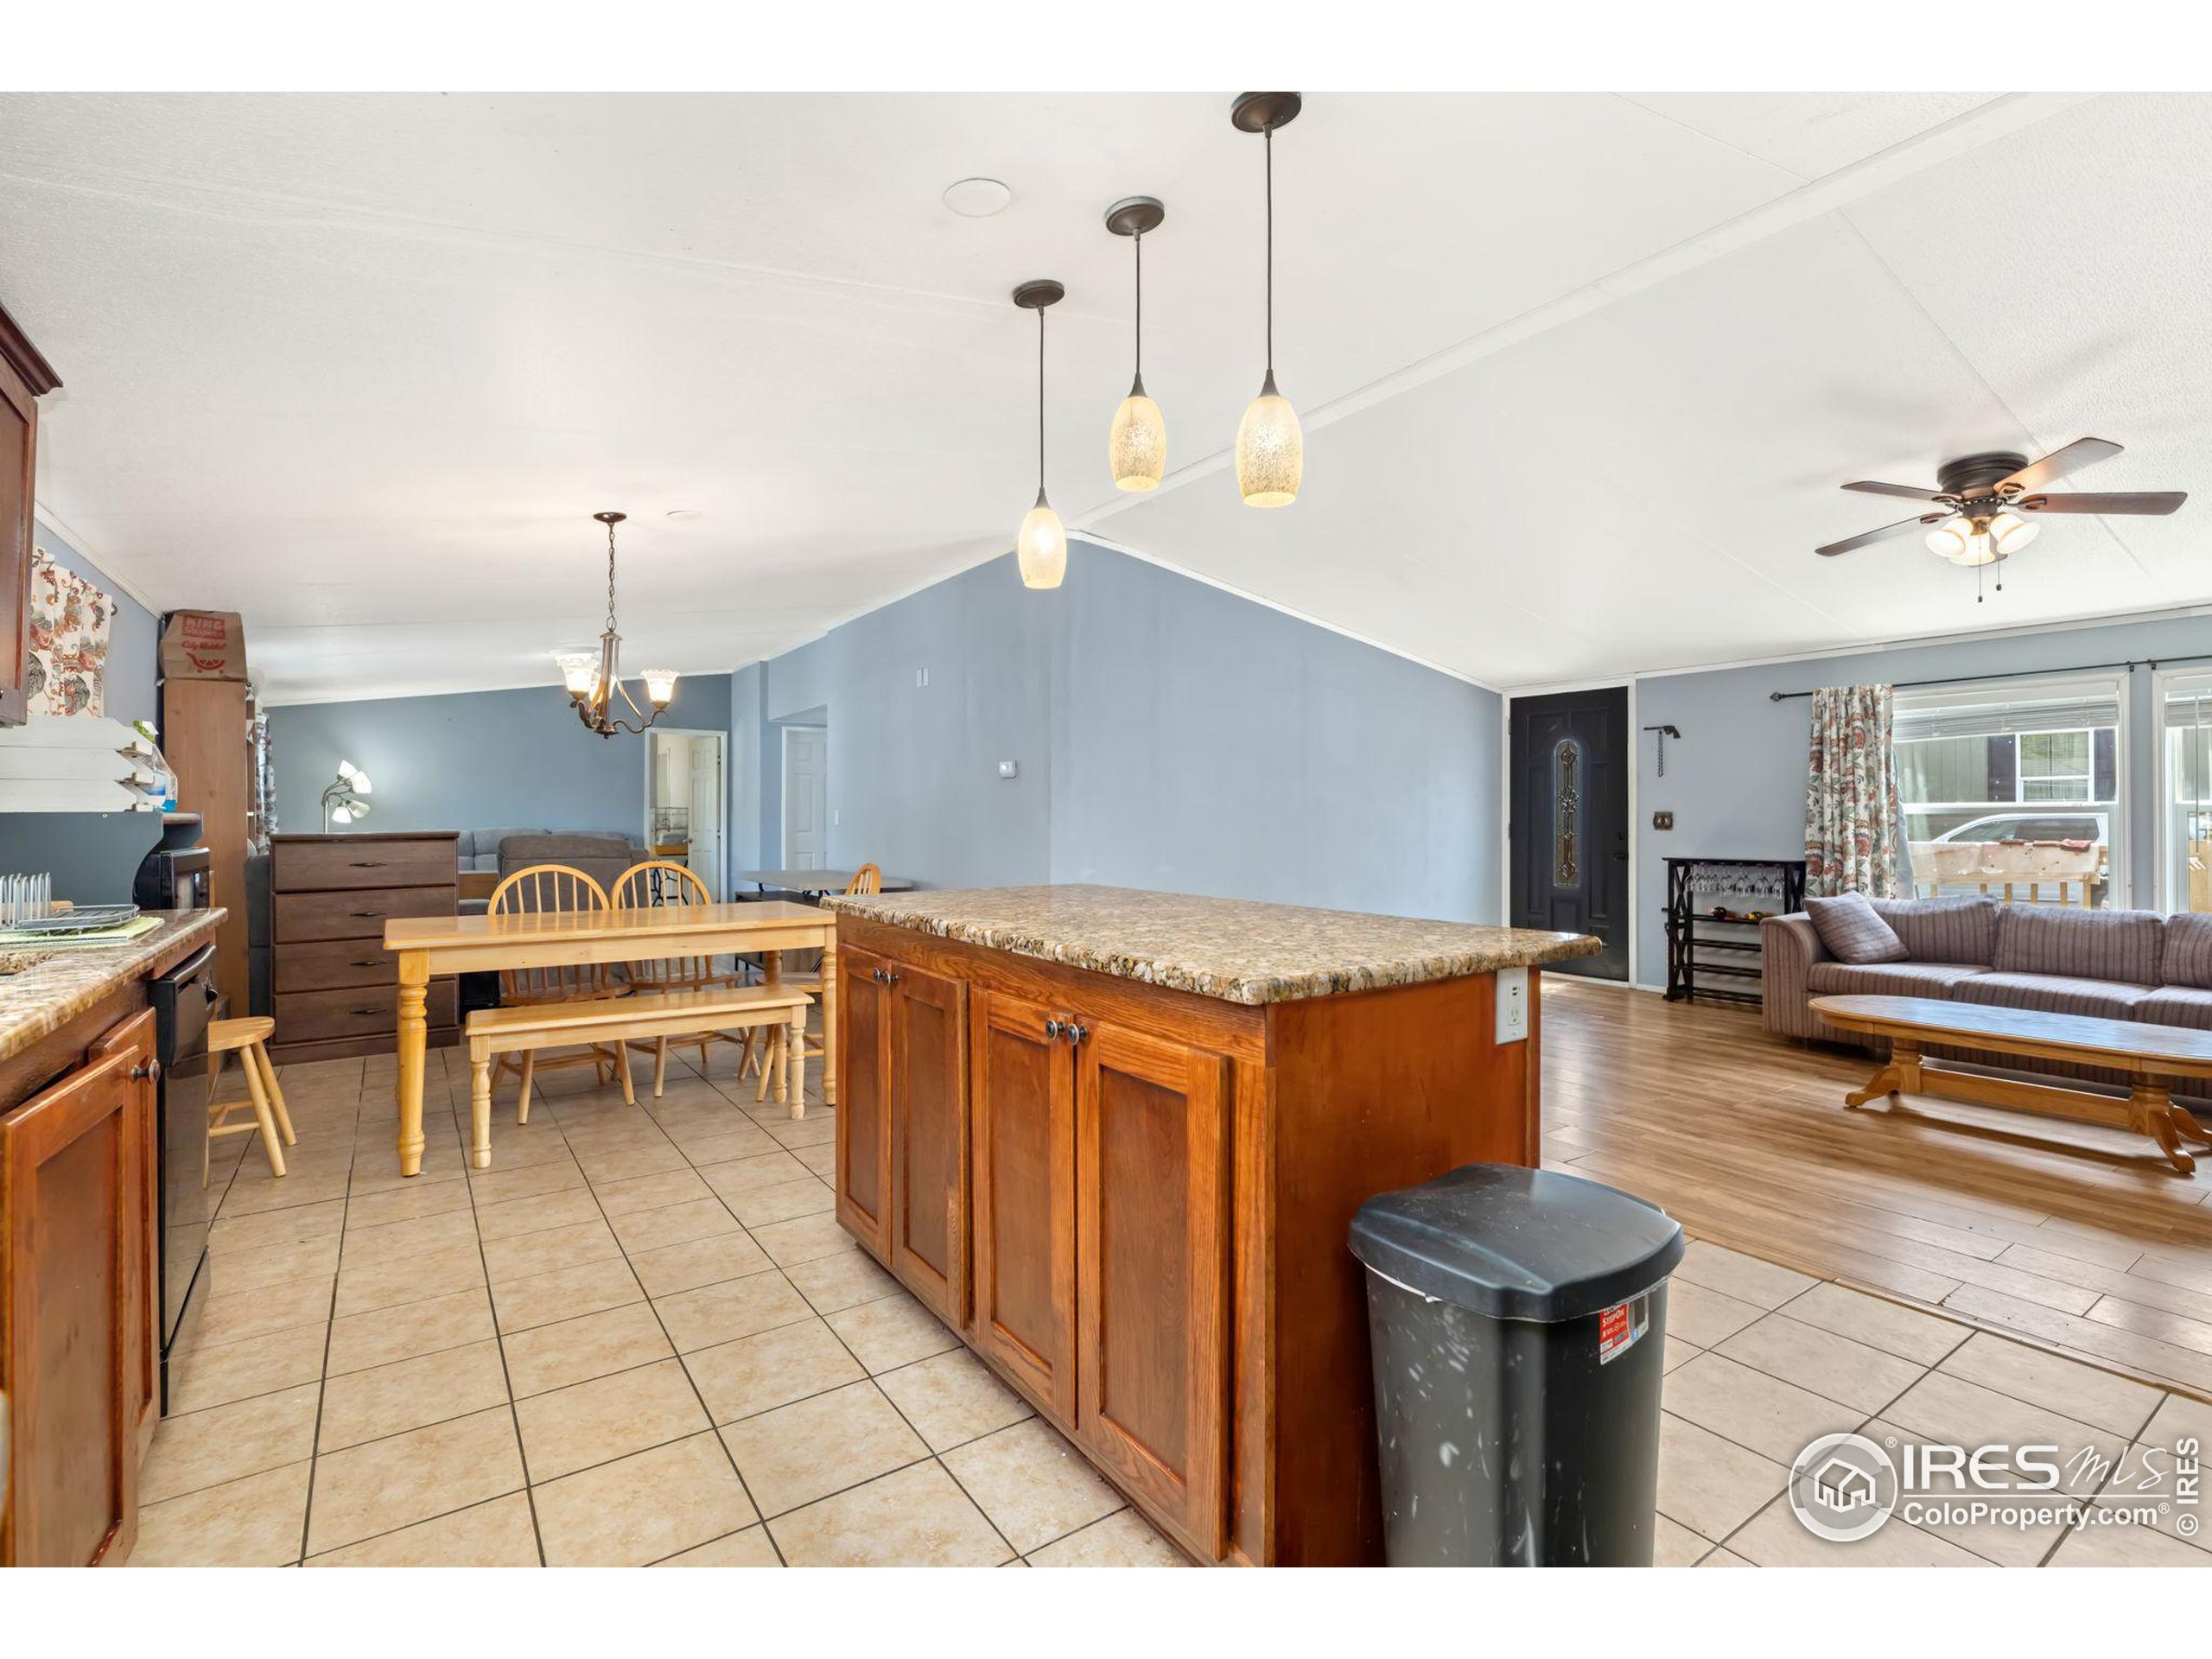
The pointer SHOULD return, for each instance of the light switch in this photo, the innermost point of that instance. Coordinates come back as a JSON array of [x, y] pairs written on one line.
[[1009, 768], [1512, 1005], [1663, 820]]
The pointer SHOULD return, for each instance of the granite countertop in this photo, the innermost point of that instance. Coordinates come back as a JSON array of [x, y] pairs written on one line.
[[40, 1001], [1227, 948]]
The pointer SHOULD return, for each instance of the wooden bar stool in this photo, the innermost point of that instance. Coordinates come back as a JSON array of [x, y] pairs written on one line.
[[248, 1039]]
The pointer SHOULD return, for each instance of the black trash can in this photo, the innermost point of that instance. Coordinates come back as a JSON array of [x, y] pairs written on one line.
[[1517, 1318]]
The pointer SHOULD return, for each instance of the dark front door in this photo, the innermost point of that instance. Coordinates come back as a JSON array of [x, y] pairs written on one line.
[[1570, 821]]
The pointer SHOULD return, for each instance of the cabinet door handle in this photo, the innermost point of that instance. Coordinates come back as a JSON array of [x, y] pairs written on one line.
[[146, 1072], [891, 975], [1075, 1033], [1052, 1031]]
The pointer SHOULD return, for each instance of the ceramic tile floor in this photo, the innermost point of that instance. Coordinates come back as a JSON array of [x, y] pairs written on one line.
[[641, 1338]]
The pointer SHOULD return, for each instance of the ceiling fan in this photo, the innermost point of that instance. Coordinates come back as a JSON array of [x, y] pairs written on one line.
[[1982, 502]]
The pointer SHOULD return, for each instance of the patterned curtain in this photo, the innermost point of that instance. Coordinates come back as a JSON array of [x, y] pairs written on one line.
[[1854, 819]]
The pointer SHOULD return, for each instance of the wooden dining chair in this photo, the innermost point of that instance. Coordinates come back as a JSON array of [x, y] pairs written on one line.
[[546, 888], [659, 883], [867, 879]]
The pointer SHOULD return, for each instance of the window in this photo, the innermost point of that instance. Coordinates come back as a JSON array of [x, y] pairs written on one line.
[[1567, 813], [2013, 788], [2184, 831]]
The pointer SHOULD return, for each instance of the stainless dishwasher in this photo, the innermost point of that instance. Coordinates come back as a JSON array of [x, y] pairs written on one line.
[[183, 1000]]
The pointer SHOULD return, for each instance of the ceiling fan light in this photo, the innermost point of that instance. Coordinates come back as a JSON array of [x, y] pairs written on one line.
[[1042, 547], [1270, 450], [1137, 447], [2009, 532], [1950, 538]]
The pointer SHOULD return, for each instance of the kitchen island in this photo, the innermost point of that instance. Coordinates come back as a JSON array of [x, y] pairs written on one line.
[[1115, 1139]]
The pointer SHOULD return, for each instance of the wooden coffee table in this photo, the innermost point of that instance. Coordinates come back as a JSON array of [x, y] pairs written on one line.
[[2155, 1057]]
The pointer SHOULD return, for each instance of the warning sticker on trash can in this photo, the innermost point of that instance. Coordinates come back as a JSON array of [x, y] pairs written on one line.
[[1620, 1326]]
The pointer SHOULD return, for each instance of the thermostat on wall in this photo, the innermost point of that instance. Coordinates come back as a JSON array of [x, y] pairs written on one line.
[[1009, 768]]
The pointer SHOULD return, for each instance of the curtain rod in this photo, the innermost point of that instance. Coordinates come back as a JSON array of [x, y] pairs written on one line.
[[2015, 674]]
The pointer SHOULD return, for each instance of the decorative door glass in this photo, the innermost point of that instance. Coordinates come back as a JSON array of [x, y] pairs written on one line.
[[1567, 813]]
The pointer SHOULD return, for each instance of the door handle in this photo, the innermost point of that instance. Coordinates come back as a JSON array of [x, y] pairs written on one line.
[[1075, 1033], [1053, 1031]]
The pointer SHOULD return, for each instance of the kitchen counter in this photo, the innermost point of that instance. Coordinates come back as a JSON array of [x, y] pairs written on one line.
[[39, 1001], [1231, 948]]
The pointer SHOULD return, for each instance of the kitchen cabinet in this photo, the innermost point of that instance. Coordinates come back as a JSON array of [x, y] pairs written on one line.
[[1022, 1128], [25, 377], [1152, 1270], [78, 1343], [902, 1157]]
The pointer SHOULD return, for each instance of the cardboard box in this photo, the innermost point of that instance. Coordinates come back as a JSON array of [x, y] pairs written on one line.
[[203, 646]]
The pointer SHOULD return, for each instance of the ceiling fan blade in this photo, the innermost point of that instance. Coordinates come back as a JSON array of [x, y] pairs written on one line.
[[1909, 492], [2138, 501], [2059, 462], [1881, 535]]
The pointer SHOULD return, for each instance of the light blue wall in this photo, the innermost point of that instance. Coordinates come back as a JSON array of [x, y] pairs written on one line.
[[913, 778], [1166, 735], [1210, 745], [477, 760], [132, 641], [1736, 781]]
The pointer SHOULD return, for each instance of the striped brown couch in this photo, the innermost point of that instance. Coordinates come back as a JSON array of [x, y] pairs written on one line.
[[2121, 964]]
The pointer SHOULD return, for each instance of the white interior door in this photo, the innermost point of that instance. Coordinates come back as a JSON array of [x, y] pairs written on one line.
[[705, 785], [806, 797]]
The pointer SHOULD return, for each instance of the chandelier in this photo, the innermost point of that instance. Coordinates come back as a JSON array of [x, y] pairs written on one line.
[[595, 682]]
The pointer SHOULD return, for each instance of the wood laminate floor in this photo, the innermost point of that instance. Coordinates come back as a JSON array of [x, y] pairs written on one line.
[[2075, 1237]]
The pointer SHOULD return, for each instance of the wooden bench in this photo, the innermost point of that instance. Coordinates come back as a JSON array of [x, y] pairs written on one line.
[[643, 1016]]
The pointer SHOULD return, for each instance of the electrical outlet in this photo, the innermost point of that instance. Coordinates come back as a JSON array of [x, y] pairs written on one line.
[[1512, 1005], [1663, 820], [1009, 768]]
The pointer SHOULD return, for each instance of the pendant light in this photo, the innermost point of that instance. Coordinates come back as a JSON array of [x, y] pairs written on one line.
[[1270, 448], [1137, 447], [1042, 549], [594, 682]]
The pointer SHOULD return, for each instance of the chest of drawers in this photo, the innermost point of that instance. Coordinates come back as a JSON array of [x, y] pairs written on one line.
[[335, 992]]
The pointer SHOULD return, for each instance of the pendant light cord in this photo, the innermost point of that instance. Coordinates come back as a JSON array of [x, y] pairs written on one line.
[[1139, 239], [1041, 401], [1267, 141]]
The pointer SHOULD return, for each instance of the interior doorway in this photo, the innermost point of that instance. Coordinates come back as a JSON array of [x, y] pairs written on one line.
[[686, 802], [806, 797], [1569, 762]]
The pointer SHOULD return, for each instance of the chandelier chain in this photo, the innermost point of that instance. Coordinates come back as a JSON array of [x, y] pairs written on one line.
[[610, 578]]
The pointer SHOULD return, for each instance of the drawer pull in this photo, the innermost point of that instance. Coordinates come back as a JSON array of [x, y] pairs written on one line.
[[367, 864], [367, 915], [371, 962], [365, 1014]]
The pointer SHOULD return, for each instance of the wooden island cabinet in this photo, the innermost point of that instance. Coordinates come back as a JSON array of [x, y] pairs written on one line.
[[1115, 1139]]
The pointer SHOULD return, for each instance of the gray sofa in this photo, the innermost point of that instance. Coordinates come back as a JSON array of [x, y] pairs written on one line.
[[2118, 964], [601, 854]]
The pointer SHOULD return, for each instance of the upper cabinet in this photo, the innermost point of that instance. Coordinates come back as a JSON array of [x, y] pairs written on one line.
[[25, 377]]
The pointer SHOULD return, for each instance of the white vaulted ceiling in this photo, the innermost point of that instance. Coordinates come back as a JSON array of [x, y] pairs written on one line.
[[1581, 373]]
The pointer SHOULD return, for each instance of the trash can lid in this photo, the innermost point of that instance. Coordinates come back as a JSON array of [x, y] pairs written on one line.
[[1517, 1243]]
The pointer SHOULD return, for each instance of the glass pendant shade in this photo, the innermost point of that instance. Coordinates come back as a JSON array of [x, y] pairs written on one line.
[[660, 686], [579, 672], [1042, 547], [1137, 447], [1270, 450]]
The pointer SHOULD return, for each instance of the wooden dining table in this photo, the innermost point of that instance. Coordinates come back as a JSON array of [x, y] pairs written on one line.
[[428, 945]]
